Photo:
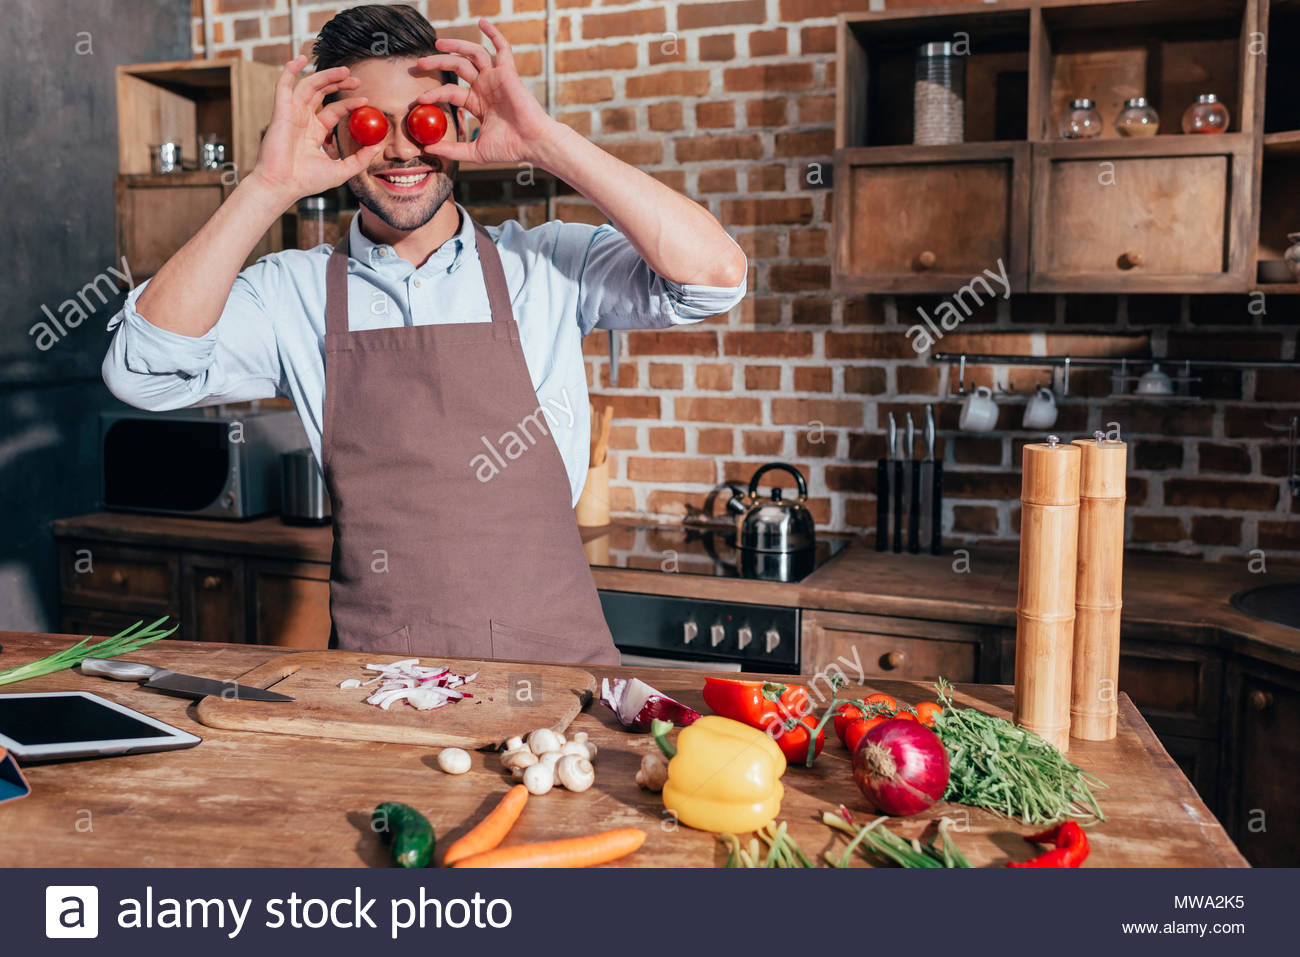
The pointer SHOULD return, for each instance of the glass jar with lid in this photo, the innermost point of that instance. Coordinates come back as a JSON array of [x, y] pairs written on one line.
[[318, 220], [1138, 118], [939, 95], [1081, 121], [1206, 115]]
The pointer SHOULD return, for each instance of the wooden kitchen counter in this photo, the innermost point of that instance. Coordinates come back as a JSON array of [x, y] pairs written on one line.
[[262, 800]]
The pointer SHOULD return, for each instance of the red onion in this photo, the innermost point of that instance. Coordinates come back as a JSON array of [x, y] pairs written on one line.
[[901, 767], [637, 704]]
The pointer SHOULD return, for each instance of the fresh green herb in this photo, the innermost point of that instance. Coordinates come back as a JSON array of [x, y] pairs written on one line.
[[125, 641], [995, 765], [885, 845], [782, 850]]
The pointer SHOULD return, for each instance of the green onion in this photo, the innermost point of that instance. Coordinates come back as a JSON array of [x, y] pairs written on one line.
[[782, 850], [125, 641], [1013, 772], [884, 844]]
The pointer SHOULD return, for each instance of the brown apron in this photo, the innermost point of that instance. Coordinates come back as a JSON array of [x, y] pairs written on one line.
[[433, 554]]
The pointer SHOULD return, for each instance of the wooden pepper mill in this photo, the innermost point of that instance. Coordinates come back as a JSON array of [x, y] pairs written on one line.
[[1099, 588], [1049, 529]]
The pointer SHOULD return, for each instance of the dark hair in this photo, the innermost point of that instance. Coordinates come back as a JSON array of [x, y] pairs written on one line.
[[375, 31]]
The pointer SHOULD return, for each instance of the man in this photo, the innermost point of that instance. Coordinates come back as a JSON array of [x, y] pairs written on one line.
[[423, 342]]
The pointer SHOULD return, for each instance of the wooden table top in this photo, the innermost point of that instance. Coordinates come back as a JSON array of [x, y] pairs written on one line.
[[254, 800], [1165, 596]]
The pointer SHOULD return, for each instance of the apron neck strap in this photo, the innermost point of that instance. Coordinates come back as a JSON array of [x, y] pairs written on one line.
[[494, 278]]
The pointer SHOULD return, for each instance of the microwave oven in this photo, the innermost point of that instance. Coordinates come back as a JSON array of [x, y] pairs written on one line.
[[193, 462]]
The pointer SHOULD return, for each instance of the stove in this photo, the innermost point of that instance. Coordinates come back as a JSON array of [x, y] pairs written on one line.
[[703, 550], [710, 634]]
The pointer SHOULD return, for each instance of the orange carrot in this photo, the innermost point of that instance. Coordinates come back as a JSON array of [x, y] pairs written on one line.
[[574, 852], [490, 831]]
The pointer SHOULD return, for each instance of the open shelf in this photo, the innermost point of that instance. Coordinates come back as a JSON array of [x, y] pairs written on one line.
[[1282, 144]]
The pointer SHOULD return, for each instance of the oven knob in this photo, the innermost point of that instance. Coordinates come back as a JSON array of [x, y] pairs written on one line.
[[771, 638], [717, 634], [744, 637], [689, 631]]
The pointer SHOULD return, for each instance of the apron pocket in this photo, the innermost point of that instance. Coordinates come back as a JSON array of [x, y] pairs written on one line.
[[524, 644], [395, 642]]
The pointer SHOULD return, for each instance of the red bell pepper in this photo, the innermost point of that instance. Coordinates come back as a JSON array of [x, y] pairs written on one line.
[[1070, 851], [783, 711]]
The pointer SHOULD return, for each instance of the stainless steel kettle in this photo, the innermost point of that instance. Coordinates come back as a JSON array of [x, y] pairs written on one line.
[[773, 524]]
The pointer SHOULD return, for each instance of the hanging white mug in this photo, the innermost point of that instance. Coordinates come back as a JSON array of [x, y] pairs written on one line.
[[1040, 410], [979, 413]]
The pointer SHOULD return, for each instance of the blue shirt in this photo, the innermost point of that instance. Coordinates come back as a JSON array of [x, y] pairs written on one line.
[[565, 279]]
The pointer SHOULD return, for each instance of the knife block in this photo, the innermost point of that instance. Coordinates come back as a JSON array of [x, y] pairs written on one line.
[[1049, 528], [1094, 690]]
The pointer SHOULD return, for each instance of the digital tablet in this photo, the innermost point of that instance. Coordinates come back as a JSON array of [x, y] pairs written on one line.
[[57, 725]]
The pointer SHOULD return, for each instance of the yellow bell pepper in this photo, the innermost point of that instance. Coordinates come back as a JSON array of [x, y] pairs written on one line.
[[725, 776]]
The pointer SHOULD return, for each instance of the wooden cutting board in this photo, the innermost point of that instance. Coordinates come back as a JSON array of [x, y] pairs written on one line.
[[509, 699]]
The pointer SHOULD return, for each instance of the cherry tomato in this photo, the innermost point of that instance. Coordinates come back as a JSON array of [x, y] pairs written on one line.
[[426, 124], [845, 715], [368, 126], [926, 712], [905, 716], [857, 730]]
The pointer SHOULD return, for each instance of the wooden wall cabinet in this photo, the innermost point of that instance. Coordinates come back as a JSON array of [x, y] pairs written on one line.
[[1167, 213], [179, 102]]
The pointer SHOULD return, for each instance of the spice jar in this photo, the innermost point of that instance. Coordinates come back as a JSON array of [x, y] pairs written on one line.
[[1082, 121], [1206, 115], [1138, 118], [939, 95], [318, 221]]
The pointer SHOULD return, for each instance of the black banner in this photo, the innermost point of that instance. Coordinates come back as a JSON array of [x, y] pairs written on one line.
[[623, 912]]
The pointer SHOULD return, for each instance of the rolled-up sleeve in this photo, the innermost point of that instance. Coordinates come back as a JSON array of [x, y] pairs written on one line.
[[618, 289], [235, 361]]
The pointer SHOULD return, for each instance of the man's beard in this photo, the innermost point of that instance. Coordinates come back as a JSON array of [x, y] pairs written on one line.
[[404, 213]]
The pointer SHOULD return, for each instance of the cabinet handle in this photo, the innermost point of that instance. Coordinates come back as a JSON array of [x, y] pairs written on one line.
[[926, 260], [894, 660], [118, 577], [1131, 259], [211, 582], [1259, 700]]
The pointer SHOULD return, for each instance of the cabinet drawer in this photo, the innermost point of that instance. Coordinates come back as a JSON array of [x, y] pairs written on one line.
[[1178, 689], [920, 219], [212, 591], [1136, 219], [95, 575], [290, 604], [902, 648]]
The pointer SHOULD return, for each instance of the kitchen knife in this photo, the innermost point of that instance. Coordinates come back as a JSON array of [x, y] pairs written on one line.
[[926, 489], [898, 486], [186, 685], [936, 493], [913, 491], [882, 491]]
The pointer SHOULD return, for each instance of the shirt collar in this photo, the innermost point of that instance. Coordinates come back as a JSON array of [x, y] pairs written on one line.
[[447, 257]]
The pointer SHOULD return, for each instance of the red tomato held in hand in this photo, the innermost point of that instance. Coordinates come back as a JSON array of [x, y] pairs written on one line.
[[426, 124], [368, 126]]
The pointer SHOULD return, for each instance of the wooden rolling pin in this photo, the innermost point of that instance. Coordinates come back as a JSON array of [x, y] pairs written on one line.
[[1049, 530], [1099, 589]]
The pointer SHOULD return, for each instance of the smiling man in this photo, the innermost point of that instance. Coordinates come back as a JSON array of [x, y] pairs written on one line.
[[422, 339]]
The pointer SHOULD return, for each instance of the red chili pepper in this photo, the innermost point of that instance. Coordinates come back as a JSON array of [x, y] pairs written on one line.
[[783, 711], [1071, 847]]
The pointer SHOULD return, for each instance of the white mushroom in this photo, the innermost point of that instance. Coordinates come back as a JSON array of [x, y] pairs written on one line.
[[543, 740], [539, 779], [575, 773], [454, 760], [653, 774], [576, 748], [550, 758], [518, 759], [581, 738], [513, 744]]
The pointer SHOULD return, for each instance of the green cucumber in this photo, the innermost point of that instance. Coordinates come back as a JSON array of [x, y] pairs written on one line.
[[407, 830]]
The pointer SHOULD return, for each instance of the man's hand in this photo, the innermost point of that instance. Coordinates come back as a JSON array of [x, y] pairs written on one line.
[[513, 126], [290, 161]]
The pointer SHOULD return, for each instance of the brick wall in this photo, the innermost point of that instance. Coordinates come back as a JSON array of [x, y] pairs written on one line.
[[731, 103]]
